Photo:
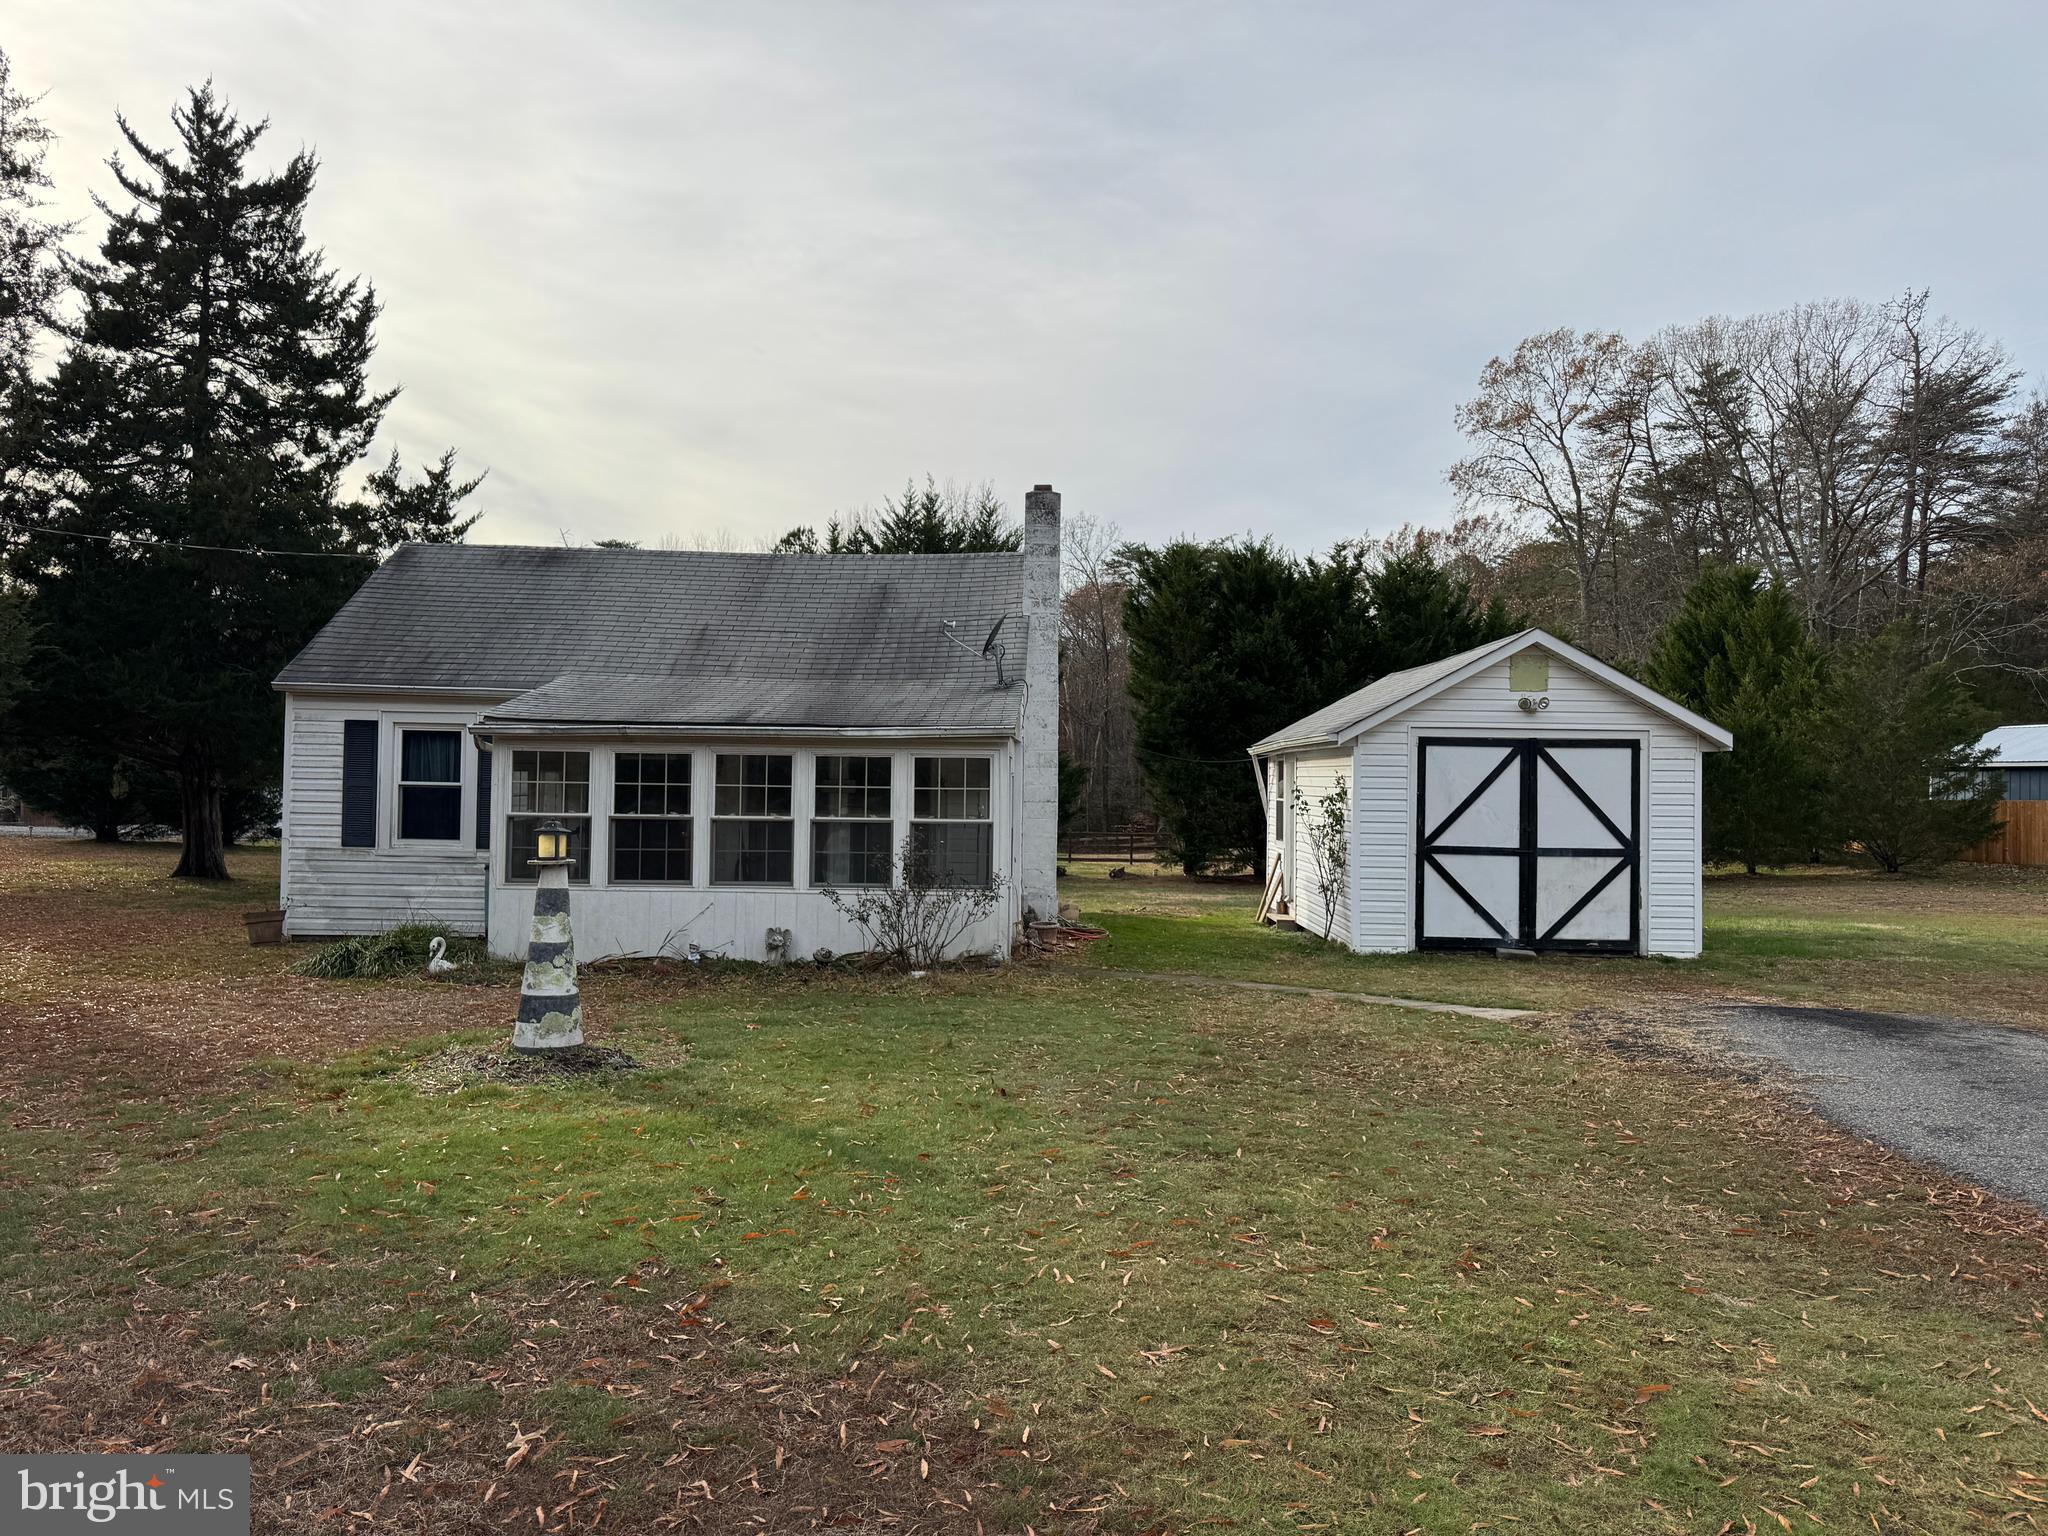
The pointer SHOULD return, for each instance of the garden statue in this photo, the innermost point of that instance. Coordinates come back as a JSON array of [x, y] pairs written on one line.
[[550, 1006]]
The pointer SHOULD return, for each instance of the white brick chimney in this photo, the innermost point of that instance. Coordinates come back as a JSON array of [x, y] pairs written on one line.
[[1038, 821]]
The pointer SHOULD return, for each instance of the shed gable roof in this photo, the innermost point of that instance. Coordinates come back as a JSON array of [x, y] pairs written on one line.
[[1383, 699], [694, 636]]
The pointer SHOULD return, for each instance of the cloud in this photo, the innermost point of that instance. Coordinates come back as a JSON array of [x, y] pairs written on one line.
[[1205, 267]]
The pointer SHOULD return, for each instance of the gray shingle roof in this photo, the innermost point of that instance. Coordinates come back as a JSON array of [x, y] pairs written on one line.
[[1320, 729], [679, 636]]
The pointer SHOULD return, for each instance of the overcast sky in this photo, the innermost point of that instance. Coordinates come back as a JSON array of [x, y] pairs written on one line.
[[694, 269]]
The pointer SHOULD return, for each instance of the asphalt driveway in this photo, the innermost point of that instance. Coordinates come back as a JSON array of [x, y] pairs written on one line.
[[1969, 1098]]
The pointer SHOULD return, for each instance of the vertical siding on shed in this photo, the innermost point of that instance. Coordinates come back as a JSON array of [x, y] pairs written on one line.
[[1313, 775], [1382, 841], [1383, 810], [1672, 838]]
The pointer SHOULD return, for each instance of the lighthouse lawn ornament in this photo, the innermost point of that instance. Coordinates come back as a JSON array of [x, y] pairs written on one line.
[[550, 1006]]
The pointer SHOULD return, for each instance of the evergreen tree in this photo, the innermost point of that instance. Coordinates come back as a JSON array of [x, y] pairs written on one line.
[[14, 644], [1230, 641], [31, 284], [31, 266], [77, 777], [1422, 613], [1738, 652], [181, 476], [927, 520], [1906, 783]]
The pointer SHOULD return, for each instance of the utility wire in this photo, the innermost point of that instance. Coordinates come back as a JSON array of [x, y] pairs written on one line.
[[212, 549], [1176, 758]]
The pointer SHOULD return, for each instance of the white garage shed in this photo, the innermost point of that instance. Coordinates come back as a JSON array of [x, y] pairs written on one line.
[[1521, 795]]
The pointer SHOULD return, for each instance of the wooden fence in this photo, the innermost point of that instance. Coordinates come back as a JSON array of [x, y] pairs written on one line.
[[2024, 839], [1135, 842]]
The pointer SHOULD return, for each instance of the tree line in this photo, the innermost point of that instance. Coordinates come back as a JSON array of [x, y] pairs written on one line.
[[182, 496], [1826, 528], [1879, 462]]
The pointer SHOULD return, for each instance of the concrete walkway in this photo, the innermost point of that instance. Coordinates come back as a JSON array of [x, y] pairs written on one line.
[[1182, 979], [1967, 1097]]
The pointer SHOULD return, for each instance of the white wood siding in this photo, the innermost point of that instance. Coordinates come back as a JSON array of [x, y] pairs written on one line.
[[1383, 799], [328, 890], [1271, 770], [1312, 775], [733, 921]]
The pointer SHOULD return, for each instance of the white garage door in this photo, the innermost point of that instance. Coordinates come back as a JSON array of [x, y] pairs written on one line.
[[1528, 843]]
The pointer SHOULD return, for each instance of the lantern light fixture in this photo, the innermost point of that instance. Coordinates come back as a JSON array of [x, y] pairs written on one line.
[[551, 843]]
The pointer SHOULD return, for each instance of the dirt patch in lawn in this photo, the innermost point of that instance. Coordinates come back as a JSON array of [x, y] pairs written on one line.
[[606, 1409], [461, 1067], [119, 986], [121, 1041]]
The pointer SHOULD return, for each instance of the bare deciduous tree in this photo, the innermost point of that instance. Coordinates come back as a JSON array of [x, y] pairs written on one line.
[[1558, 431], [1097, 728]]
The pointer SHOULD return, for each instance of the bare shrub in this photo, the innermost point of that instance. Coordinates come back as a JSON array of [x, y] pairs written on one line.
[[915, 924]]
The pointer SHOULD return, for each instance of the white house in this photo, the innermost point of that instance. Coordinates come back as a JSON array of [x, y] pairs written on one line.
[[724, 734], [1521, 795]]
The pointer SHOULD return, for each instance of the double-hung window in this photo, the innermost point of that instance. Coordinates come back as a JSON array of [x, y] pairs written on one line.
[[429, 786], [952, 826], [850, 826], [651, 836], [547, 786], [753, 830]]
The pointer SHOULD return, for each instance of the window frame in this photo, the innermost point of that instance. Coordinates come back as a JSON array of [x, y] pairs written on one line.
[[510, 873], [766, 817], [400, 729], [819, 821], [686, 818], [939, 789]]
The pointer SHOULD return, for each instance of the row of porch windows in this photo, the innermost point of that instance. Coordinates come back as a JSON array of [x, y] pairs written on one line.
[[652, 830]]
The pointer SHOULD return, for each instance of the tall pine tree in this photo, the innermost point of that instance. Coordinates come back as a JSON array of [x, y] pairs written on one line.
[[183, 473], [1738, 652], [1230, 641], [1906, 782], [932, 520], [31, 286], [1423, 613]]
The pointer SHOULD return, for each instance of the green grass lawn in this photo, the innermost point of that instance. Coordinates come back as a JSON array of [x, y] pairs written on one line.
[[1972, 943], [1172, 1259]]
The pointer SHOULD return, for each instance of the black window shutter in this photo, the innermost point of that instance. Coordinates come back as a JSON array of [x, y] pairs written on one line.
[[359, 784], [483, 797]]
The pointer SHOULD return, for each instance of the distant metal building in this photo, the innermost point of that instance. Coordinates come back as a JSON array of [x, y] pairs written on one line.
[[2021, 756]]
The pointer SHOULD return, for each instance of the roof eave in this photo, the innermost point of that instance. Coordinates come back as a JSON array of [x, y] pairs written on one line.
[[1274, 744], [1717, 738], [487, 724], [499, 694]]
